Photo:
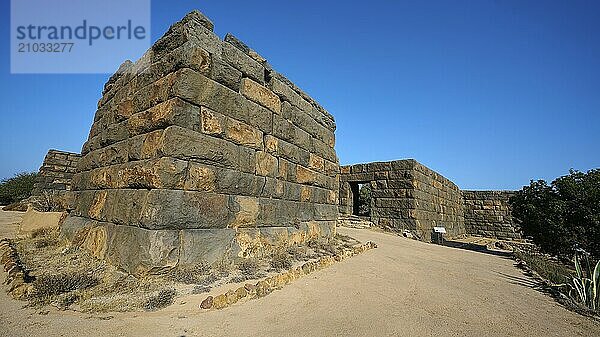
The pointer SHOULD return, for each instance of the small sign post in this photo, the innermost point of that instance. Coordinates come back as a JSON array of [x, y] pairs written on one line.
[[437, 236]]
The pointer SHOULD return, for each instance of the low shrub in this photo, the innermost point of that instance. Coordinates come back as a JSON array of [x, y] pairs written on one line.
[[248, 267], [162, 299], [190, 274], [281, 260], [546, 268], [49, 285]]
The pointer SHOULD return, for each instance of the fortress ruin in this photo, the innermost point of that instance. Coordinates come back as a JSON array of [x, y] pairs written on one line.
[[201, 149]]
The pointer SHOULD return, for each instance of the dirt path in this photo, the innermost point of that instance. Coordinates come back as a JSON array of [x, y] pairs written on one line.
[[9, 223], [402, 288]]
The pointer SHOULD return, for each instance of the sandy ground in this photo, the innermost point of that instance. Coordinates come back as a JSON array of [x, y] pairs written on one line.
[[9, 223], [402, 288]]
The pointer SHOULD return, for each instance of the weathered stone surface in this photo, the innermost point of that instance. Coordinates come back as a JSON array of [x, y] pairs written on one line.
[[246, 211], [488, 213], [185, 144], [207, 303], [246, 64], [172, 209], [194, 87], [208, 245], [220, 301], [172, 112], [56, 172], [212, 123], [245, 49], [260, 94], [136, 250], [226, 75], [153, 173], [271, 144], [190, 142], [243, 134], [200, 178], [266, 164], [406, 196]]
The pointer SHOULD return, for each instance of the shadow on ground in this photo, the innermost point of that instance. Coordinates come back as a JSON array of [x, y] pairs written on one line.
[[476, 248]]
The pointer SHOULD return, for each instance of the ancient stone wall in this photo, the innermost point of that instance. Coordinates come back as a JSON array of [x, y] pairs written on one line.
[[488, 213], [56, 172], [200, 149], [405, 195]]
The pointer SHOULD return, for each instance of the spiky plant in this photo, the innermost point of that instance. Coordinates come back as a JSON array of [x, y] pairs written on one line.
[[585, 287]]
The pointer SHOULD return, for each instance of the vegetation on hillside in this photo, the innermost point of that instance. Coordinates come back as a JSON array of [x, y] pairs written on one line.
[[563, 219], [563, 216], [16, 188]]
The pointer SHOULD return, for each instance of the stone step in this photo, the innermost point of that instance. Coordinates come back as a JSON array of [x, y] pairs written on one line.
[[353, 221]]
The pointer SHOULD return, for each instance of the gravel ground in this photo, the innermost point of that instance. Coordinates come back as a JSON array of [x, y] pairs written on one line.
[[402, 288]]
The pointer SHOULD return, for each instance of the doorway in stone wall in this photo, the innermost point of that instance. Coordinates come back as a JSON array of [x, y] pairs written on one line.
[[361, 198]]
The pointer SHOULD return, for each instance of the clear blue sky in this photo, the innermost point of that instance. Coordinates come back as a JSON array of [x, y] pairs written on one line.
[[490, 94]]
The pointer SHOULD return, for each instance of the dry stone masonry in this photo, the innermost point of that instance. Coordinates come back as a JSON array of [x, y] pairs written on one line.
[[200, 149], [488, 213], [405, 195], [56, 172]]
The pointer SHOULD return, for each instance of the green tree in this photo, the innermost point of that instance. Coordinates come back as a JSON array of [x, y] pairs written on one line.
[[17, 188], [562, 215]]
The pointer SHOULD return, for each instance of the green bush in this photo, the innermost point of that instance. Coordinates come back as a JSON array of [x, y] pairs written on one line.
[[16, 188], [563, 215]]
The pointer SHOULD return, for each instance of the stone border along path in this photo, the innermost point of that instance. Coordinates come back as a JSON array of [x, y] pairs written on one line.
[[264, 287], [18, 277]]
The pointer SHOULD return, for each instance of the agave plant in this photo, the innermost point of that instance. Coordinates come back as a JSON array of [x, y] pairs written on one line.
[[585, 289]]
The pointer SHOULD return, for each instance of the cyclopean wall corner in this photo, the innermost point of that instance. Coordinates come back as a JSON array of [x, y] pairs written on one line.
[[56, 172], [406, 195], [198, 150]]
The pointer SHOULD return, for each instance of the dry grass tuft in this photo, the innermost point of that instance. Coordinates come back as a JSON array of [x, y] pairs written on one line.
[[47, 287], [249, 267], [162, 299], [195, 274], [281, 260], [224, 266]]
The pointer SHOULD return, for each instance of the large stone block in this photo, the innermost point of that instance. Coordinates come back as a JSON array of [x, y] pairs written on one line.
[[185, 144], [175, 209], [260, 94], [248, 66], [172, 112], [266, 164], [194, 87], [207, 245], [244, 134]]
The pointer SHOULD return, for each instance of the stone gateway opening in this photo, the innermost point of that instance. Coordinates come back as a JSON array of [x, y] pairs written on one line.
[[361, 199]]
